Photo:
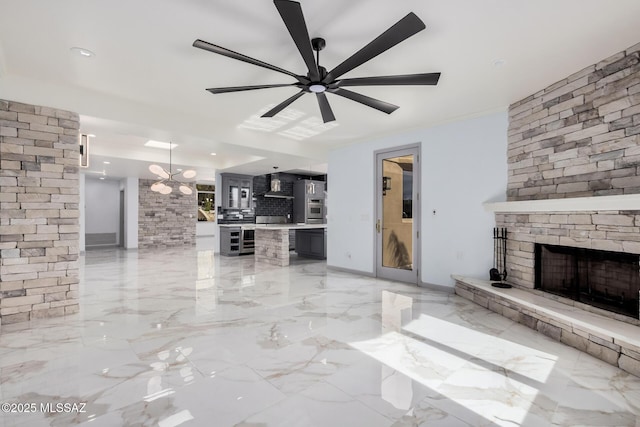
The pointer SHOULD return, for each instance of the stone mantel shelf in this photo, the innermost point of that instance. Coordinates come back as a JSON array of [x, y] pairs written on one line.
[[626, 202]]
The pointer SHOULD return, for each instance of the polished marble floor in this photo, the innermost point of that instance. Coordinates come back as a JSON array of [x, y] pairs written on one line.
[[182, 337]]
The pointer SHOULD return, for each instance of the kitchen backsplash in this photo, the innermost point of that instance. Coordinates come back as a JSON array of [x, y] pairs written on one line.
[[274, 206], [269, 205]]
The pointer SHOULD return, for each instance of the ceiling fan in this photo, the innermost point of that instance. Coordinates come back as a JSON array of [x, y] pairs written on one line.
[[318, 80]]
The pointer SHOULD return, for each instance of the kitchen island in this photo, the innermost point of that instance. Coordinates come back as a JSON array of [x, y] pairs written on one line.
[[272, 241]]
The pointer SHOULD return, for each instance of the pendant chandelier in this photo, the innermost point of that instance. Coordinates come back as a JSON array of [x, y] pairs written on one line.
[[163, 185]]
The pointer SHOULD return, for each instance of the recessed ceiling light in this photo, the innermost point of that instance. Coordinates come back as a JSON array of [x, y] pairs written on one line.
[[86, 53], [214, 154], [179, 170], [102, 177], [160, 144], [499, 62], [106, 163]]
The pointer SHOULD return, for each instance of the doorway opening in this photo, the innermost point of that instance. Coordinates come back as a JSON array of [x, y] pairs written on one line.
[[397, 214]]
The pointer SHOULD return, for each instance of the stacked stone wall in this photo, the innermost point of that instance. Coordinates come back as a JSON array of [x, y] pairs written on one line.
[[39, 197], [166, 220], [580, 136]]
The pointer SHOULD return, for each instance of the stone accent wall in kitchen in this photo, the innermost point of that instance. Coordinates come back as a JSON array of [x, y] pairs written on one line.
[[617, 231], [39, 196], [166, 220], [579, 136]]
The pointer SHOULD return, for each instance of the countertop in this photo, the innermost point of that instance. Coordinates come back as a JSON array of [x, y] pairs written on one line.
[[277, 226], [289, 226]]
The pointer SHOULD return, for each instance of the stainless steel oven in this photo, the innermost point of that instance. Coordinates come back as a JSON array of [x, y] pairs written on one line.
[[315, 211], [247, 239]]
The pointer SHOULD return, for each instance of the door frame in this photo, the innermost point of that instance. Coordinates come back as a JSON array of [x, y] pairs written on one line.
[[121, 226], [415, 148]]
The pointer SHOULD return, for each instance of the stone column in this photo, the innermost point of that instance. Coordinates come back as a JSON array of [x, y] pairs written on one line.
[[272, 246], [39, 226]]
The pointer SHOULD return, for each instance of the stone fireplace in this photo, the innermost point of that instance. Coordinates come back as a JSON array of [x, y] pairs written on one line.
[[603, 279], [614, 231], [574, 192], [574, 168]]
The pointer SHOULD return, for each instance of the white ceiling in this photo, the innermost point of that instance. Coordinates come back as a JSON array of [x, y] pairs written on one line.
[[147, 81]]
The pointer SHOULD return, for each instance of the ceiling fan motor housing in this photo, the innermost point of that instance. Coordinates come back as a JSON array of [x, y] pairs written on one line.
[[318, 44]]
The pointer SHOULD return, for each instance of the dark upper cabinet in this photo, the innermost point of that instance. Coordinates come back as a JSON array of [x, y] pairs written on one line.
[[237, 191], [309, 189]]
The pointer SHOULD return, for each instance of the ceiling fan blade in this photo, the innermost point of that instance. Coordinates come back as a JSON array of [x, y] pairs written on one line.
[[291, 14], [385, 107], [284, 104], [400, 31], [407, 79], [240, 57], [216, 90], [325, 108]]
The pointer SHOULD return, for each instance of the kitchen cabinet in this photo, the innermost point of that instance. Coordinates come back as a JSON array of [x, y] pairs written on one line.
[[292, 240], [230, 241], [310, 188], [312, 243], [237, 191]]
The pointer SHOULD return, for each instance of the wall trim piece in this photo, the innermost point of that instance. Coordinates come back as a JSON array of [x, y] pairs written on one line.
[[624, 202], [100, 239], [350, 271], [422, 285], [437, 288]]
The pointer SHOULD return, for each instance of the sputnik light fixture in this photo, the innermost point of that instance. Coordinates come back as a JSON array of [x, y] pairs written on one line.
[[163, 185]]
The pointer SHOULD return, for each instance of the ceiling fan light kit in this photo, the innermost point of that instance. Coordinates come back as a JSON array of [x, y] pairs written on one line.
[[317, 80], [163, 185]]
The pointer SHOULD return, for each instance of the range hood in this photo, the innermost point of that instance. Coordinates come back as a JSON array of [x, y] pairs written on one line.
[[276, 189]]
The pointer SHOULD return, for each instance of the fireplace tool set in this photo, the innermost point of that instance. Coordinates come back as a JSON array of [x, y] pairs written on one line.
[[499, 271]]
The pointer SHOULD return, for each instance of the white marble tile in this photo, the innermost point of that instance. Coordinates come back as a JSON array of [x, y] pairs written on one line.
[[184, 337], [318, 406], [296, 367], [426, 415], [382, 388]]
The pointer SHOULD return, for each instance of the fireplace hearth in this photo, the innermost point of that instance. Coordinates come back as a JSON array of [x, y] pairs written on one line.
[[603, 279]]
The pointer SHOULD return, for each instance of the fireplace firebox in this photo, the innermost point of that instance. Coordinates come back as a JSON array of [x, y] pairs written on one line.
[[603, 279]]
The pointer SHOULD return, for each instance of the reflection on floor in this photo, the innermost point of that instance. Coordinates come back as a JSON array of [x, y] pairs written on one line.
[[183, 337]]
